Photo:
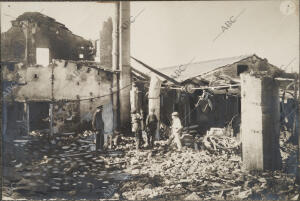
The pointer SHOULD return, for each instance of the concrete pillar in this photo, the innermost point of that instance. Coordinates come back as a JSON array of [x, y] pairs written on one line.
[[115, 64], [134, 99], [124, 59], [260, 123], [154, 99]]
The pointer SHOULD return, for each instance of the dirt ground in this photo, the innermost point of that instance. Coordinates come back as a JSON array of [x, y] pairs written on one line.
[[67, 168]]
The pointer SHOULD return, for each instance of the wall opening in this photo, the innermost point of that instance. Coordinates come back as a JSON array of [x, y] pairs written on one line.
[[42, 56], [241, 69], [39, 115]]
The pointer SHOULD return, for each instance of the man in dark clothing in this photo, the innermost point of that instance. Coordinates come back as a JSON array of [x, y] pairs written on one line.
[[151, 124], [98, 125], [136, 128]]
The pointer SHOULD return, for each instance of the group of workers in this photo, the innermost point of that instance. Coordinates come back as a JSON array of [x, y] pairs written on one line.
[[137, 128], [151, 125]]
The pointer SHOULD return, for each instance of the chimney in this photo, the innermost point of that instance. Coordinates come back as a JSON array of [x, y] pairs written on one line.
[[106, 44]]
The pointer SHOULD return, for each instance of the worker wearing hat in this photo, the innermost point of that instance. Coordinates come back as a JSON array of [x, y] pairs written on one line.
[[98, 126], [176, 129]]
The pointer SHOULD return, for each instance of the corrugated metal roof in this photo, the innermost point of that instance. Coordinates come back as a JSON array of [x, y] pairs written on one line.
[[191, 70]]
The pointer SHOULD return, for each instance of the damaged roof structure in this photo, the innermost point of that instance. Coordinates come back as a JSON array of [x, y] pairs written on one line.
[[207, 93], [33, 30], [209, 70]]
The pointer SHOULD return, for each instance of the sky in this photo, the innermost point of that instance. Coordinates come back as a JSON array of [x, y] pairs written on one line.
[[173, 33]]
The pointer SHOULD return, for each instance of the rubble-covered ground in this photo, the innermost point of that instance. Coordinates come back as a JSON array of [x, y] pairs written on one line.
[[67, 168]]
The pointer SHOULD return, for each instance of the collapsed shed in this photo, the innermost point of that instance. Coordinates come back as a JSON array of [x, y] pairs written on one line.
[[208, 93]]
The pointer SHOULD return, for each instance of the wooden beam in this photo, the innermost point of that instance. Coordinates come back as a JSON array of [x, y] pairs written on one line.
[[141, 73], [157, 72]]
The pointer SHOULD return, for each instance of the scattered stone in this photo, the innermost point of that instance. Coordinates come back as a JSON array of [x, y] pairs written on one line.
[[193, 196]]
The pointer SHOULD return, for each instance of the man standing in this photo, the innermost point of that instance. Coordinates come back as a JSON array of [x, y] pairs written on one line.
[[151, 126], [98, 125], [136, 128], [176, 129]]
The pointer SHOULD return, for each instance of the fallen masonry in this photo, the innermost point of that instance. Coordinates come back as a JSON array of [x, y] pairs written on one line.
[[71, 170]]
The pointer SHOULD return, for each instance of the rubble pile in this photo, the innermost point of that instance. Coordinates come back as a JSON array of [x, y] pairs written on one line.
[[66, 164], [203, 174], [125, 143], [219, 142]]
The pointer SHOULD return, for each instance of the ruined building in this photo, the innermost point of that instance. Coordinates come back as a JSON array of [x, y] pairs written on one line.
[[32, 33], [49, 80]]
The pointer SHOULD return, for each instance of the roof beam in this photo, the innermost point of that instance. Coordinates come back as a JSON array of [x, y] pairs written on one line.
[[157, 72], [139, 72]]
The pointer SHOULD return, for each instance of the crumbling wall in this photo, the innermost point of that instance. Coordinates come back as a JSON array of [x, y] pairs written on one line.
[[42, 31], [75, 88], [254, 63], [13, 45], [32, 82]]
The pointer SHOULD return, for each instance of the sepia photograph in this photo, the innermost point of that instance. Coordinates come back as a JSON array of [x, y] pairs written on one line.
[[150, 100]]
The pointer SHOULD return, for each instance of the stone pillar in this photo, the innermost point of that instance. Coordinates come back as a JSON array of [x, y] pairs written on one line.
[[260, 123], [125, 68], [154, 99]]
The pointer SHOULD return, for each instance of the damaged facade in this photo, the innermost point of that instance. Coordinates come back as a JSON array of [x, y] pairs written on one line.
[[36, 85], [68, 85]]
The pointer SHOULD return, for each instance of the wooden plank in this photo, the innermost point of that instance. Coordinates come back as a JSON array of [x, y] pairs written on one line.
[[157, 72]]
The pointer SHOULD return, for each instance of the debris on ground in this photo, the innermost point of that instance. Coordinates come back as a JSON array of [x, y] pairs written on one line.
[[67, 165], [213, 172], [70, 169]]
